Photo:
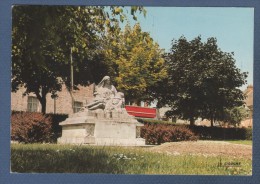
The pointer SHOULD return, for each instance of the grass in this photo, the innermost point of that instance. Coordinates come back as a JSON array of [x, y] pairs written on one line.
[[245, 142], [51, 158]]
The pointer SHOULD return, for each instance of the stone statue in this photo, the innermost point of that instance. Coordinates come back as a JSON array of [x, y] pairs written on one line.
[[103, 93], [116, 103]]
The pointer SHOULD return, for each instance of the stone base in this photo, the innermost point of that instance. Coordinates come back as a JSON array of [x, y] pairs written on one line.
[[101, 129]]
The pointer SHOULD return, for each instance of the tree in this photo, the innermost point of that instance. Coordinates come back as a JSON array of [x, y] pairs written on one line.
[[203, 80], [235, 115], [46, 37], [138, 63]]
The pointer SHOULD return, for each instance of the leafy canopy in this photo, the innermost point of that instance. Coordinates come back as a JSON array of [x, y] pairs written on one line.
[[202, 81], [138, 62], [45, 38]]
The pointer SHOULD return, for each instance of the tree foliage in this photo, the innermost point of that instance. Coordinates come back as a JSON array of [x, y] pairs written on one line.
[[138, 63], [45, 38], [235, 115], [203, 80]]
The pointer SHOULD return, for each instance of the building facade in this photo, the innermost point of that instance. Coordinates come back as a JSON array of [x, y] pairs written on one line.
[[66, 102]]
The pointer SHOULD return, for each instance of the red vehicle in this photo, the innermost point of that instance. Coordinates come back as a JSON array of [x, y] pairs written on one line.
[[141, 112]]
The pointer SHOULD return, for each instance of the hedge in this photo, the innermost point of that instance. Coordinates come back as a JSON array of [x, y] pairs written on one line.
[[208, 133], [34, 127], [220, 133]]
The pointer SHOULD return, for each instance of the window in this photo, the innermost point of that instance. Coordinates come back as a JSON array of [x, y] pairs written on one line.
[[32, 104], [77, 106]]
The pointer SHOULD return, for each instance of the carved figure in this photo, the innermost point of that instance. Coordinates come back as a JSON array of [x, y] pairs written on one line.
[[116, 103], [103, 92]]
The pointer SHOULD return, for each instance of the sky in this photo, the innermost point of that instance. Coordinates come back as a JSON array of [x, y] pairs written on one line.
[[233, 28]]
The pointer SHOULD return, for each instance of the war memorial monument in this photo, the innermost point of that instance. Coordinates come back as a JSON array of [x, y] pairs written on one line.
[[104, 121]]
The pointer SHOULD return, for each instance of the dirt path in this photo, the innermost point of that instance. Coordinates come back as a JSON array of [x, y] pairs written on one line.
[[206, 148]]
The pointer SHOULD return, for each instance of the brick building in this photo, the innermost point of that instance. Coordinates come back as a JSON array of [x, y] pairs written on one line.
[[66, 103]]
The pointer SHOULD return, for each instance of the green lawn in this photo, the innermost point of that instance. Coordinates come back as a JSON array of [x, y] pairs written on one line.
[[53, 158]]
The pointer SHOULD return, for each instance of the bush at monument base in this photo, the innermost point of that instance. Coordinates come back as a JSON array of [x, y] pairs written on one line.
[[34, 127], [158, 134], [31, 127]]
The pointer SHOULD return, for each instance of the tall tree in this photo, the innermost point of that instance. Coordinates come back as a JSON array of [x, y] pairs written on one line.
[[203, 80], [138, 63], [46, 37]]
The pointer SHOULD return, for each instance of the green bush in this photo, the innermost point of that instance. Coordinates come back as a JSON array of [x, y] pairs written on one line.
[[31, 127], [220, 133], [160, 133]]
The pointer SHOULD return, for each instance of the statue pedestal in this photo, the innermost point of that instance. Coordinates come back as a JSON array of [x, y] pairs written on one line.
[[99, 128]]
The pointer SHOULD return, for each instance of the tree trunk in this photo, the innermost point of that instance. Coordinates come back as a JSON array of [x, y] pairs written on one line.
[[212, 121], [192, 121], [43, 103], [42, 100]]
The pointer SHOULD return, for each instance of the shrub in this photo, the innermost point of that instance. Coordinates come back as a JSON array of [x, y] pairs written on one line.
[[31, 127], [221, 133], [249, 133], [160, 133]]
